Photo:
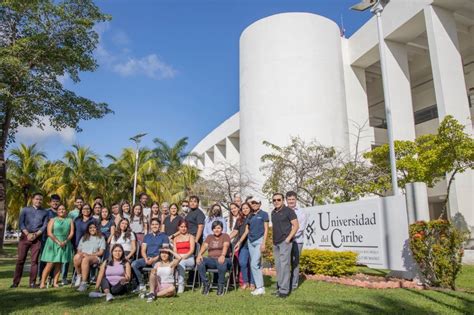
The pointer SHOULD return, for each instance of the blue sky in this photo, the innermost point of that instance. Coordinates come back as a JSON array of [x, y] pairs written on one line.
[[170, 68]]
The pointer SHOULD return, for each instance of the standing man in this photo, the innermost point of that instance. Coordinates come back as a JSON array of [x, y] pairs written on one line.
[[285, 226], [54, 205], [291, 201], [33, 222], [195, 219], [184, 208], [143, 199]]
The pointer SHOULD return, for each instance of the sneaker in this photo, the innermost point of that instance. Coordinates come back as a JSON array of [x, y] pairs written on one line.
[[180, 288], [82, 287], [205, 288], [65, 282], [13, 286], [220, 290], [150, 297], [139, 289], [96, 294], [78, 281], [109, 297], [259, 291], [282, 295]]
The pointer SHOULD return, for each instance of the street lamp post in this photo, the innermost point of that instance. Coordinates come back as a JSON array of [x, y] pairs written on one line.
[[137, 140], [376, 7]]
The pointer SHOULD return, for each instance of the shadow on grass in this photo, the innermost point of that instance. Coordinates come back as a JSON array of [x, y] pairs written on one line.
[[467, 304], [19, 300]]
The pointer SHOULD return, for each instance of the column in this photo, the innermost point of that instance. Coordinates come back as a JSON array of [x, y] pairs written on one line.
[[399, 91], [451, 95]]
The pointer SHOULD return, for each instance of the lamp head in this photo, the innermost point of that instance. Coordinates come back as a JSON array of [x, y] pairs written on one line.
[[367, 4], [138, 137]]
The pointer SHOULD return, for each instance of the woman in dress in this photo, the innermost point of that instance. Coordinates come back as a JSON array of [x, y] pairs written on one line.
[[162, 275], [124, 236], [114, 275], [184, 245], [58, 247], [89, 252], [214, 214], [138, 223], [170, 223]]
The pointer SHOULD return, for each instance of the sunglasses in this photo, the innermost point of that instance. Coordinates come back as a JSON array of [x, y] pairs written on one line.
[[276, 199], [254, 202]]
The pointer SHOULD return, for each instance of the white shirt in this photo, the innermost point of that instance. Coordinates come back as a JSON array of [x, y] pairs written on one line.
[[302, 221], [146, 212], [126, 244]]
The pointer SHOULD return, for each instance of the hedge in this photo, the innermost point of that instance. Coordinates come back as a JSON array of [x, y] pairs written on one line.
[[327, 262]]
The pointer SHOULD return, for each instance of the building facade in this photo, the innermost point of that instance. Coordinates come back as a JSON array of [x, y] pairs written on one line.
[[299, 77]]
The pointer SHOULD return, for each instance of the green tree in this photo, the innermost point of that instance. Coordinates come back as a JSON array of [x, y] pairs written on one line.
[[23, 166], [171, 157], [42, 40], [430, 158]]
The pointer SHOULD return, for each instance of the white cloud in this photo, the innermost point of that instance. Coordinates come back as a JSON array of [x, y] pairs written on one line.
[[120, 38], [151, 66], [36, 135]]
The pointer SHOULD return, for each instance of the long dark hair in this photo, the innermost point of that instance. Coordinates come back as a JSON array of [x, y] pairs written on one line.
[[87, 235], [118, 231], [121, 207], [81, 216], [231, 217], [108, 214], [132, 213], [242, 217], [123, 260]]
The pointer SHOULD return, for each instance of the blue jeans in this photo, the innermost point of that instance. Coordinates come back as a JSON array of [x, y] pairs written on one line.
[[244, 263], [137, 265], [255, 254], [212, 263]]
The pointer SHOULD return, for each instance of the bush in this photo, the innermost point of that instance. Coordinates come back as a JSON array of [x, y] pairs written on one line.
[[327, 262], [437, 247], [268, 252]]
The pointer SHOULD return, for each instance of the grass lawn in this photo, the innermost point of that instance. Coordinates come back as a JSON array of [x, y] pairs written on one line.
[[312, 297]]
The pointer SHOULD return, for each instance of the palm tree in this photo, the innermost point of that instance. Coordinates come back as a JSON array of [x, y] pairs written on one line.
[[82, 173], [171, 157], [122, 169], [22, 178]]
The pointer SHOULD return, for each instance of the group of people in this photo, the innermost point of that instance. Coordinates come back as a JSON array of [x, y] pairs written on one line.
[[164, 242]]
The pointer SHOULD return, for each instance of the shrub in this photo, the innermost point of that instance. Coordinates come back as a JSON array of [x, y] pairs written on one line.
[[268, 252], [437, 247], [327, 262]]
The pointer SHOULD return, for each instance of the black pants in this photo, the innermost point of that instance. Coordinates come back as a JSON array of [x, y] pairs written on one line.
[[117, 289]]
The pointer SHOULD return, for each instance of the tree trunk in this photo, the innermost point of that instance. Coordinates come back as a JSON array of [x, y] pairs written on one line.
[[3, 196]]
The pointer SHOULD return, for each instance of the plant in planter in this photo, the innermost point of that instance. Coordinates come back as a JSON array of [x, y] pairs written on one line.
[[437, 247]]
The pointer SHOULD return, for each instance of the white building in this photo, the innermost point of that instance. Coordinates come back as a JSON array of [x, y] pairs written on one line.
[[299, 77]]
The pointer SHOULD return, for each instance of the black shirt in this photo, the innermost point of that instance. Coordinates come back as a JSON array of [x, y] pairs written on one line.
[[241, 229], [171, 227], [194, 218], [281, 221]]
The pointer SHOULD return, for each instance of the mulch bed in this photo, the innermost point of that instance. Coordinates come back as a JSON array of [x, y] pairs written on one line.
[[361, 280]]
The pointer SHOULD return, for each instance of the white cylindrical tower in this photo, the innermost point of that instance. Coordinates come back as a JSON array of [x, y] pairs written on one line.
[[291, 84]]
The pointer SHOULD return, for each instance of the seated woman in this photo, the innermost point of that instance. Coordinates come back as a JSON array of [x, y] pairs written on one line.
[[162, 275], [217, 245], [124, 236], [58, 247], [114, 275], [184, 244], [89, 252]]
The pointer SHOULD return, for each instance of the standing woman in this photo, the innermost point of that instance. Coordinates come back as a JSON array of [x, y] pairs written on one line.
[[138, 223], [239, 234], [155, 212], [234, 215], [125, 209], [96, 208], [106, 224], [170, 224], [184, 244], [214, 214], [116, 216], [82, 222], [89, 252], [58, 247], [257, 228], [114, 275], [124, 236]]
